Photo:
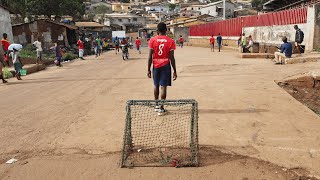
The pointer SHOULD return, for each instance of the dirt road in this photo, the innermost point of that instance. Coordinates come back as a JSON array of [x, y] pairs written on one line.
[[67, 123]]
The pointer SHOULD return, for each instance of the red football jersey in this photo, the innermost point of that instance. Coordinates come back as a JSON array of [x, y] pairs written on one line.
[[161, 45], [212, 40], [138, 42], [5, 44], [181, 40], [80, 44]]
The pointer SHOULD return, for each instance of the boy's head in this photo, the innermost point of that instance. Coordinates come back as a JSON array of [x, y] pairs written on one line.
[[284, 39], [180, 35], [211, 35], [243, 34], [162, 28], [219, 34], [137, 37], [296, 27], [5, 35]]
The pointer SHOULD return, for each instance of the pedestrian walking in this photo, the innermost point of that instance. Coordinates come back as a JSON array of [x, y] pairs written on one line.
[[181, 40], [5, 46], [58, 53], [243, 42], [219, 41], [98, 45], [2, 64], [38, 46], [117, 44], [138, 44], [298, 39], [81, 48], [212, 43], [15, 55]]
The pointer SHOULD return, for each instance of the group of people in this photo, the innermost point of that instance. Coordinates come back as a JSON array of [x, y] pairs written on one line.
[[219, 42], [245, 44], [8, 50], [286, 49]]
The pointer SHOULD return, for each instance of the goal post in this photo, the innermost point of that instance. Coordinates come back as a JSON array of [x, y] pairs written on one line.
[[153, 141]]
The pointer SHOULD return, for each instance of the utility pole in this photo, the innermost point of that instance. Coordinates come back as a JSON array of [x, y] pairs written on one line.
[[224, 10]]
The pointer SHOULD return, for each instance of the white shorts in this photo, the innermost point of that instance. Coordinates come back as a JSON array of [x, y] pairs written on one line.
[[81, 51]]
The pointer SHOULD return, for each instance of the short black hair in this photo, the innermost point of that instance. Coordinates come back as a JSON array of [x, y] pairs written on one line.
[[137, 37], [296, 27], [5, 35], [284, 39], [162, 27]]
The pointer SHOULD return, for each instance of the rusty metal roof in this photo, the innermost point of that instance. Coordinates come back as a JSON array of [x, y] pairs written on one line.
[[53, 22], [88, 24]]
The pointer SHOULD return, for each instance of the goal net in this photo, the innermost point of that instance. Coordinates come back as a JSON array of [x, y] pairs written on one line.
[[167, 140]]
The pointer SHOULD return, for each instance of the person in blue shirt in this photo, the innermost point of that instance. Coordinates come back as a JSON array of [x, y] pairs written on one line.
[[285, 51], [219, 41]]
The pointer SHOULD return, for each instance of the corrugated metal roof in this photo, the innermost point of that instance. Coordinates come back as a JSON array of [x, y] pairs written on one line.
[[88, 24], [58, 23]]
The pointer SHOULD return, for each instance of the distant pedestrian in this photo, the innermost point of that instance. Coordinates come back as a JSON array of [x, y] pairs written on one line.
[[15, 55], [181, 40], [239, 40], [212, 43], [98, 46], [285, 51], [219, 41], [138, 44], [38, 46], [249, 47], [298, 39], [117, 44], [58, 53], [5, 45], [243, 42], [2, 64], [81, 48]]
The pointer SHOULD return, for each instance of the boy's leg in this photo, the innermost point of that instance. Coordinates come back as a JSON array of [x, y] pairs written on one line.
[[156, 92]]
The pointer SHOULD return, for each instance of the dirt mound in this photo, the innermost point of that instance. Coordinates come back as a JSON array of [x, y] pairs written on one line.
[[306, 90]]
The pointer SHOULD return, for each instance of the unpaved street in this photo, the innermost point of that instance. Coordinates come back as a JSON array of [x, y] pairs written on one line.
[[67, 123]]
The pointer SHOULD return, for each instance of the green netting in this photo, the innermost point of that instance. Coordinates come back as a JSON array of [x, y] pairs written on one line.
[[167, 140]]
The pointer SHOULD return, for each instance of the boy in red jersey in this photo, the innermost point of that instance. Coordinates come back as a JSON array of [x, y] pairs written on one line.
[[5, 45], [138, 44], [181, 40], [212, 43], [161, 55]]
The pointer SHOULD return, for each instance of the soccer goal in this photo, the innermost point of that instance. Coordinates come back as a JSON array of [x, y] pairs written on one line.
[[151, 140]]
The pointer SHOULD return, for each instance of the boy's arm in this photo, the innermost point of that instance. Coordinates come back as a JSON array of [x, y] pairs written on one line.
[[173, 64], [150, 62]]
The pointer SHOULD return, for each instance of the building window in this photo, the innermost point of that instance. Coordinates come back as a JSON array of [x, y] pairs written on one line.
[[161, 9], [209, 12], [129, 20], [135, 19], [120, 20]]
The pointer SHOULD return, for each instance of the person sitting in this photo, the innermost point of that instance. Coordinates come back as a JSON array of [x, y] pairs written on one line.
[[249, 47], [285, 51]]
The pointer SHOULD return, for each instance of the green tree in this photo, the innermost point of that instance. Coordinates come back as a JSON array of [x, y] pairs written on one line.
[[101, 9], [18, 6], [172, 7], [56, 7], [258, 4]]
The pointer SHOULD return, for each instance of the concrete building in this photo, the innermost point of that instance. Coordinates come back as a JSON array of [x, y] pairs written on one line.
[[92, 26], [216, 9], [157, 8], [5, 21], [49, 32], [127, 22], [121, 7]]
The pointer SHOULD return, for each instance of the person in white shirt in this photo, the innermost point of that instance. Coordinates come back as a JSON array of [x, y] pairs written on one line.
[[38, 45], [15, 51], [249, 47]]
